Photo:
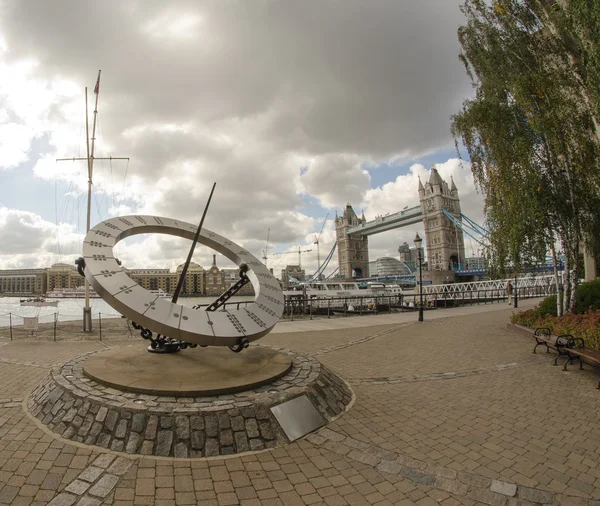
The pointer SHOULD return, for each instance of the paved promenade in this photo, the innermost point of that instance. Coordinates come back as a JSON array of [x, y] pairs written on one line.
[[454, 410]]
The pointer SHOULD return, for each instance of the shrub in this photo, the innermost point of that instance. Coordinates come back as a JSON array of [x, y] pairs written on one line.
[[586, 326], [588, 297], [547, 306]]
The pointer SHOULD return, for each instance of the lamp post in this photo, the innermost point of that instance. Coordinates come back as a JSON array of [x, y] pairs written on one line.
[[418, 242]]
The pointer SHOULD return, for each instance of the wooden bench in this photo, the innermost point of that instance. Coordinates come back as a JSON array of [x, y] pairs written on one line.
[[566, 345], [544, 337]]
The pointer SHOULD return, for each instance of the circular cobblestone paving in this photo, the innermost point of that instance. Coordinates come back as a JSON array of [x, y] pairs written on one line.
[[80, 409]]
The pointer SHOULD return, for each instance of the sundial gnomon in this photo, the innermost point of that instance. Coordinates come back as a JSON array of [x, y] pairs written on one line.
[[169, 325]]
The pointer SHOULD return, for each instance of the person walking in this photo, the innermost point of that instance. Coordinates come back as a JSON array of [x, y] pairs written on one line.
[[509, 292]]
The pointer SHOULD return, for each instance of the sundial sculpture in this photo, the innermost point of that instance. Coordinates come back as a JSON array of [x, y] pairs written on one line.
[[168, 325]]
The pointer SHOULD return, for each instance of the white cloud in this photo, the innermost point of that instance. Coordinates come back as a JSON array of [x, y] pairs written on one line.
[[336, 178]]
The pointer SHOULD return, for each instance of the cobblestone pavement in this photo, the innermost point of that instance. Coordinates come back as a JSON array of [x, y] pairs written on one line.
[[456, 410]]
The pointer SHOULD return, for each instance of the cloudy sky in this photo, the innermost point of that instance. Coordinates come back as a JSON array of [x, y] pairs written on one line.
[[292, 107]]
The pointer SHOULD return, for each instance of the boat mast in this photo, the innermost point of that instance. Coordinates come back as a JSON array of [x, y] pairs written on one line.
[[87, 310]]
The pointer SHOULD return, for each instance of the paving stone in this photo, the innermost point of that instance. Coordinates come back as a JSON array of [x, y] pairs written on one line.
[[237, 423], [96, 429], [77, 487], [256, 444], [133, 442], [120, 466], [197, 440], [91, 473], [252, 428], [63, 499], [164, 442], [417, 476], [151, 427], [534, 495], [166, 422], [121, 429], [501, 487], [111, 419], [138, 423], [212, 425], [211, 447], [101, 415], [487, 497], [104, 485], [8, 493], [241, 442], [181, 450], [103, 440], [226, 438], [104, 460], [183, 427], [197, 423], [89, 501]]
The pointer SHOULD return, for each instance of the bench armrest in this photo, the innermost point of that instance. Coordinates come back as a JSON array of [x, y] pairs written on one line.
[[564, 341], [577, 342], [542, 331]]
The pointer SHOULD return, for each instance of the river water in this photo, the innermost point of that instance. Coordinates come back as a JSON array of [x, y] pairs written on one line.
[[11, 310]]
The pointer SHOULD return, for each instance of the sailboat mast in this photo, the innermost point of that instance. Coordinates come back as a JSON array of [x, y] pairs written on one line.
[[87, 310], [90, 160]]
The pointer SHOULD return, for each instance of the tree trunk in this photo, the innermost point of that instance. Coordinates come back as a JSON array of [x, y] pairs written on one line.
[[574, 278], [566, 282], [559, 300]]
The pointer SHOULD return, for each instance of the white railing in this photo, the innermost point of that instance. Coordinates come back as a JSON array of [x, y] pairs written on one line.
[[539, 286]]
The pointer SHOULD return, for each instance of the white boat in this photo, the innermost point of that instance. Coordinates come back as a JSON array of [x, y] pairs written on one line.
[[326, 289], [38, 302], [70, 293], [329, 289]]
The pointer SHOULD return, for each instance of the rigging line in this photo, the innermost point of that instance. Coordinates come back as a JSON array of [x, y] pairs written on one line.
[[123, 187], [57, 243]]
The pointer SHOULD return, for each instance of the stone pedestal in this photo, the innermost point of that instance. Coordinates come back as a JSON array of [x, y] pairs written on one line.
[[162, 422]]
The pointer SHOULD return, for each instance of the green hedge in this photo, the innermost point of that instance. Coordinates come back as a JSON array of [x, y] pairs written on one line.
[[588, 297]]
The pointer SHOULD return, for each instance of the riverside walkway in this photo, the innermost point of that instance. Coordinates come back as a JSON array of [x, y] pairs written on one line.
[[454, 410]]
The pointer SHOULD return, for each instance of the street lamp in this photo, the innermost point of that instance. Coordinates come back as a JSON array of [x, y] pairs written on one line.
[[418, 242]]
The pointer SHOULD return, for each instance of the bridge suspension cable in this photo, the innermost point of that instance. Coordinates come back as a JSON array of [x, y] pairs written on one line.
[[323, 266], [469, 227]]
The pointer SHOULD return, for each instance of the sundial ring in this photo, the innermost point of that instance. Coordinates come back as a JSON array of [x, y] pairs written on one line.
[[220, 328]]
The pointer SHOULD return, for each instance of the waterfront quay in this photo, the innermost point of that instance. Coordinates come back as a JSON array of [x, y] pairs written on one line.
[[453, 410]]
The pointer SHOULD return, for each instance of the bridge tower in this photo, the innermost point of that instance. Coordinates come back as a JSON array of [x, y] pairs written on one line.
[[444, 241], [353, 251]]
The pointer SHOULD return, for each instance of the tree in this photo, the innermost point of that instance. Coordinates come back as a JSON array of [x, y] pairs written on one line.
[[530, 131]]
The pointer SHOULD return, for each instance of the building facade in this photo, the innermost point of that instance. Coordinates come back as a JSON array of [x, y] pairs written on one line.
[[17, 282], [63, 276], [353, 251], [410, 256], [291, 275], [215, 283]]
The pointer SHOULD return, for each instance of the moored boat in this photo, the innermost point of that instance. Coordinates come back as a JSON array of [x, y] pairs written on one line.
[[38, 302]]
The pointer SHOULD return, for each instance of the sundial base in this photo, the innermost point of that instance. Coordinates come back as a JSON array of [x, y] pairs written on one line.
[[209, 371], [109, 412]]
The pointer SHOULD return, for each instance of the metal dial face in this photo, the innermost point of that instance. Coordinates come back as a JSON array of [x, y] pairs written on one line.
[[218, 328]]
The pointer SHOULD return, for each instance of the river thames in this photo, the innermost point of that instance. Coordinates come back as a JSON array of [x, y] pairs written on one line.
[[72, 309]]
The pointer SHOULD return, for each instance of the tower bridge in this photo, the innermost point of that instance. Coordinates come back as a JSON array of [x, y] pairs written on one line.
[[443, 239]]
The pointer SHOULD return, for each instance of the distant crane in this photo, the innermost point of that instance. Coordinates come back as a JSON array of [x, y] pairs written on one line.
[[266, 250], [317, 237], [299, 254]]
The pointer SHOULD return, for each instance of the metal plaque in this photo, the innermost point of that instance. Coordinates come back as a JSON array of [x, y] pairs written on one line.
[[298, 417]]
